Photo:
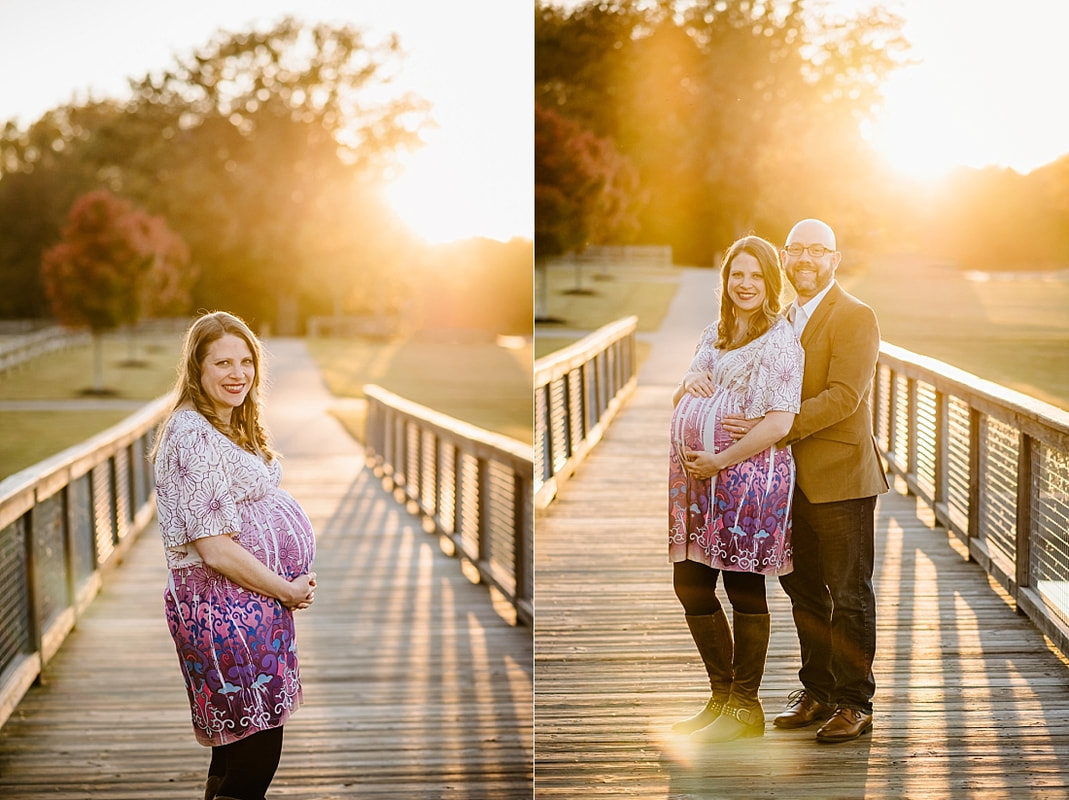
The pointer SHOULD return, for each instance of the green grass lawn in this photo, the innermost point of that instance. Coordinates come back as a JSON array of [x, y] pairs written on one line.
[[27, 437], [68, 374], [32, 436], [1013, 332], [605, 297], [478, 382]]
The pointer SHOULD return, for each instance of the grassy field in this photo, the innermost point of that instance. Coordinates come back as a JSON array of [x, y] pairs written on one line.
[[646, 293], [68, 374], [604, 298], [27, 437], [1013, 331], [478, 382], [481, 383]]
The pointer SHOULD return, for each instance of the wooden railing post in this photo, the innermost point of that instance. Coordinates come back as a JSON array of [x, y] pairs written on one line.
[[1025, 498], [976, 465], [523, 521], [911, 429], [941, 478], [892, 417]]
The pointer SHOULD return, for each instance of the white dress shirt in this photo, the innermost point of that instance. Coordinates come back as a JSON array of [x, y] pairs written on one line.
[[799, 315]]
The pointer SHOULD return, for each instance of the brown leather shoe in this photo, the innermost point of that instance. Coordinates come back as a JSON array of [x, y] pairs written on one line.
[[844, 725], [802, 709]]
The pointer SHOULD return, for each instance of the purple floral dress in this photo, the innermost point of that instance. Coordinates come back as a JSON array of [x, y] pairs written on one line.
[[236, 648], [740, 520]]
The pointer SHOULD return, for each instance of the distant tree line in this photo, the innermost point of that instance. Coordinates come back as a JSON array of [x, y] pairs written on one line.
[[263, 152], [722, 118]]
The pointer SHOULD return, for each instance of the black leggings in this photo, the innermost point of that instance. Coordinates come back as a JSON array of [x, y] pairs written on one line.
[[695, 586], [247, 765]]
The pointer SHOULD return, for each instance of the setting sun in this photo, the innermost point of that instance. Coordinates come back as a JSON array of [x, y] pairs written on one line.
[[458, 187], [470, 61], [979, 93]]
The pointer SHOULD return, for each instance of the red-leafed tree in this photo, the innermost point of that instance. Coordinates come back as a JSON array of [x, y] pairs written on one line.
[[585, 191], [113, 264]]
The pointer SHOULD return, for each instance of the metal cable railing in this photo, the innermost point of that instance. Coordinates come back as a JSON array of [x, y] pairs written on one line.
[[473, 485], [578, 390], [63, 523], [993, 465]]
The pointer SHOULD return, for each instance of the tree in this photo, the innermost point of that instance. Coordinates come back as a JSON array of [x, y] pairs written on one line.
[[114, 263], [736, 115], [285, 130], [585, 191], [42, 172], [264, 150]]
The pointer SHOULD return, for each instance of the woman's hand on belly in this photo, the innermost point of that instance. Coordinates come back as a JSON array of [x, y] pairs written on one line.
[[698, 384], [701, 464], [737, 425]]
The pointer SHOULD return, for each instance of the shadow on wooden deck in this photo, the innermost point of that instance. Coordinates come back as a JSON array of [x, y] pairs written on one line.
[[972, 701], [414, 685]]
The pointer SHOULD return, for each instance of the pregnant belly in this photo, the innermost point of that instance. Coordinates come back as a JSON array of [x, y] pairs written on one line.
[[279, 533], [696, 423]]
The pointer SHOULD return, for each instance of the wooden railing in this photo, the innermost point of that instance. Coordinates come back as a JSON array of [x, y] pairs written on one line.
[[473, 485], [63, 523], [578, 391], [623, 255], [993, 464], [27, 346]]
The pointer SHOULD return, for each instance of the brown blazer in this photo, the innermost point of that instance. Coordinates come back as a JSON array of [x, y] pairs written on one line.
[[834, 450]]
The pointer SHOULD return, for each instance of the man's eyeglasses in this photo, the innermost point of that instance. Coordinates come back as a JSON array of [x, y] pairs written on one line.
[[815, 250]]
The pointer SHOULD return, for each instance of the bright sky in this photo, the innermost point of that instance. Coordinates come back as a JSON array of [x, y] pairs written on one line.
[[988, 88], [472, 59]]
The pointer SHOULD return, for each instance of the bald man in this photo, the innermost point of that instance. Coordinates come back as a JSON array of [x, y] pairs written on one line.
[[839, 475]]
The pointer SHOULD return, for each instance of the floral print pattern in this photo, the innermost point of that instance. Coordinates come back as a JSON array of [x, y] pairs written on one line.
[[236, 648], [740, 520]]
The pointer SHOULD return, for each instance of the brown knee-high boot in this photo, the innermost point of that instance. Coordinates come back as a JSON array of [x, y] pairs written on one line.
[[713, 637], [742, 715], [211, 787]]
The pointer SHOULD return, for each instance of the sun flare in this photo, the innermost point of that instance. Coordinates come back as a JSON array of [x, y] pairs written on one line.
[[449, 192], [959, 106]]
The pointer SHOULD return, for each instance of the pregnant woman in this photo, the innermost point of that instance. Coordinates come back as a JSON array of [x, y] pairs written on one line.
[[730, 501], [239, 550]]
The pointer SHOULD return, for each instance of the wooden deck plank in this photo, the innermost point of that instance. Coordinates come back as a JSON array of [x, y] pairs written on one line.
[[971, 699], [415, 686]]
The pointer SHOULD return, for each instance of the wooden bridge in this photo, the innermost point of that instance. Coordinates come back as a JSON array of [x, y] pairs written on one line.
[[417, 682], [972, 698]]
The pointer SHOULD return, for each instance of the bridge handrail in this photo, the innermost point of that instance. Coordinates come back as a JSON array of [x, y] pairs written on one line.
[[623, 255], [63, 523], [27, 346], [578, 391], [993, 465], [472, 484]]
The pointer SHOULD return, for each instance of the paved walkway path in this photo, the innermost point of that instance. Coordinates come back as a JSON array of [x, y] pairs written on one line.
[[414, 686], [694, 306]]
